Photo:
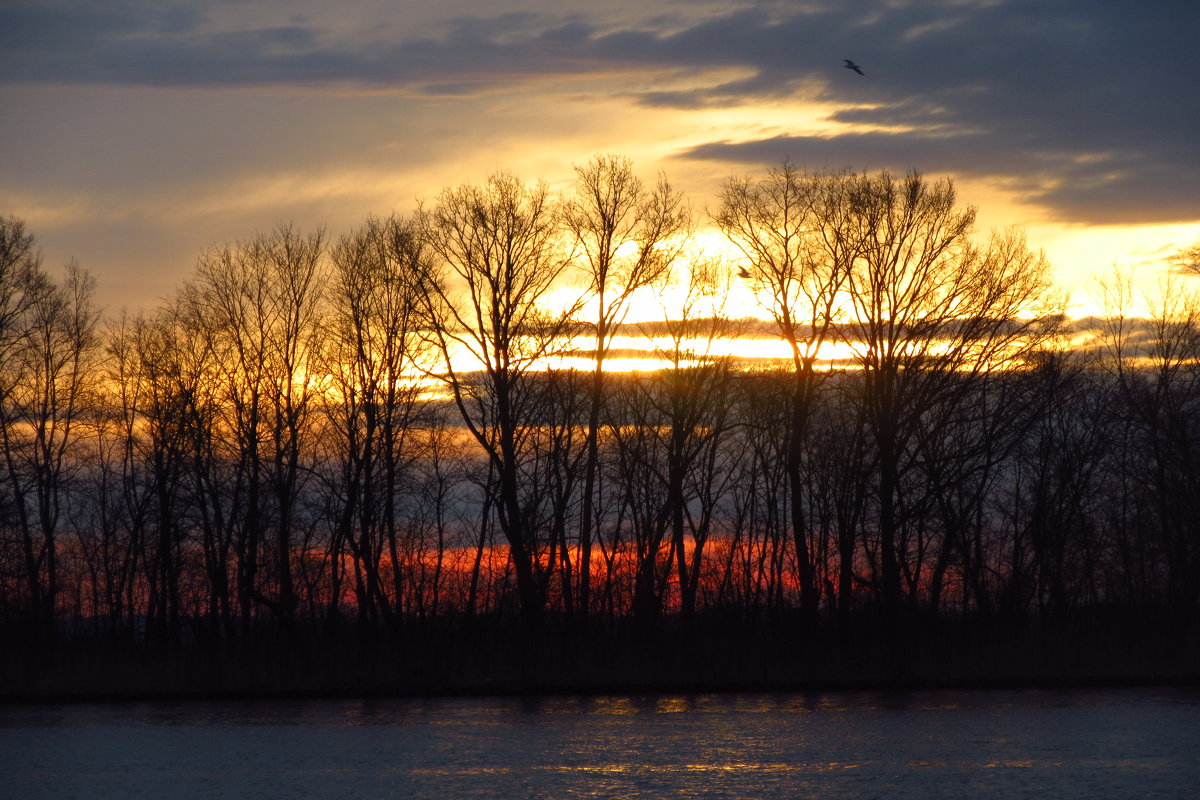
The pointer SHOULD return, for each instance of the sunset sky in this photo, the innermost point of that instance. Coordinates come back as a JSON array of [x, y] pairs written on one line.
[[138, 132]]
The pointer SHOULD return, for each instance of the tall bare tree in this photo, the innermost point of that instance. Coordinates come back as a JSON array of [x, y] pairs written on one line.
[[629, 236], [932, 313], [1156, 365], [21, 279], [796, 235], [48, 350], [495, 254], [260, 302], [668, 430], [373, 359]]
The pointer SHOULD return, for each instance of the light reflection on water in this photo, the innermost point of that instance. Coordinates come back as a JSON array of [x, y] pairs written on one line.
[[1121, 743]]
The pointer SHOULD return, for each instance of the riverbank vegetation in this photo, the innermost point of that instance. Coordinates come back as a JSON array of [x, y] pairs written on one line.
[[366, 462]]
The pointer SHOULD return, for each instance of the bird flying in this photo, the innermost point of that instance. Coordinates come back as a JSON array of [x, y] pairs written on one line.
[[851, 65]]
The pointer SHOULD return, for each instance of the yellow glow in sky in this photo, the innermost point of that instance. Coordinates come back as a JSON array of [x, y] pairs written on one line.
[[136, 172]]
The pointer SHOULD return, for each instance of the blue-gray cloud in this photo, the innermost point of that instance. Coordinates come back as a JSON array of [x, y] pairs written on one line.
[[1089, 107], [146, 43]]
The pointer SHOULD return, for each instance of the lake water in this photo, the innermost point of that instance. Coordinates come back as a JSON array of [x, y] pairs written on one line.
[[1141, 743]]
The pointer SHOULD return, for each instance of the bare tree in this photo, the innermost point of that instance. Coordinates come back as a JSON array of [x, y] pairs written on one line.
[[1156, 364], [755, 573], [113, 511], [20, 271], [183, 394], [629, 236], [668, 432], [795, 232], [48, 349], [259, 302], [495, 253], [158, 413], [839, 468], [1055, 488], [932, 314], [1187, 259], [697, 405], [372, 359], [20, 280]]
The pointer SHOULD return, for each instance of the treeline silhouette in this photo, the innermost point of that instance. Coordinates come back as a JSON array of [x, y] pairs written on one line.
[[360, 460]]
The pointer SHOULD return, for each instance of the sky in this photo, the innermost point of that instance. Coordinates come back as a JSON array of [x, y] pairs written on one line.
[[137, 133]]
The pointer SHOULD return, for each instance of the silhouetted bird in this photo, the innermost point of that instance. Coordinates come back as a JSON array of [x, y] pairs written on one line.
[[851, 65], [743, 273]]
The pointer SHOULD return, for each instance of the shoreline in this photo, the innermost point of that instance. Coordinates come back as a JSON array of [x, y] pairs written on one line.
[[1077, 684], [498, 662]]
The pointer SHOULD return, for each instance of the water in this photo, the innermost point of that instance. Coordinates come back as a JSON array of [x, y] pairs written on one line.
[[1086, 744]]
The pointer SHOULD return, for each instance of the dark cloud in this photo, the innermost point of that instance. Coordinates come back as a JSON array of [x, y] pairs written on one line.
[[145, 43], [1088, 106], [1126, 185]]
